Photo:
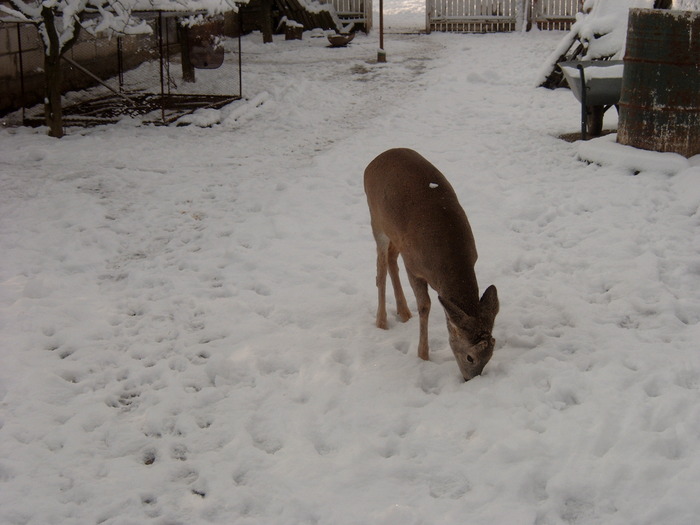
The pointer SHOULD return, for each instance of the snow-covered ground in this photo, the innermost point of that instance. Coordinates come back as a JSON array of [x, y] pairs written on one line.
[[187, 312]]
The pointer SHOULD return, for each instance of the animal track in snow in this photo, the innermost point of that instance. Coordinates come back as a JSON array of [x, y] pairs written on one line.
[[348, 289], [186, 475], [451, 486], [149, 456], [402, 346], [179, 452], [150, 506], [322, 444]]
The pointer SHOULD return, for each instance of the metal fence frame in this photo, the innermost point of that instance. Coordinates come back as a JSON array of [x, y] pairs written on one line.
[[100, 65]]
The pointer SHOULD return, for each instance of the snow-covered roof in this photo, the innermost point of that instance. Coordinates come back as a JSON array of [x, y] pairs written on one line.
[[211, 7]]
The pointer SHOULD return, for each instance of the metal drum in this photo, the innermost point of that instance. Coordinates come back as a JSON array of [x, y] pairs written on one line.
[[660, 99]]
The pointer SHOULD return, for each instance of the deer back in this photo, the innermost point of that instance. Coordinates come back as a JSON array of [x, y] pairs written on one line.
[[415, 206]]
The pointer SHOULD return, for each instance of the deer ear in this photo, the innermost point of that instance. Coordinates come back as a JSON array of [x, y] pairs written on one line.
[[457, 315], [488, 307]]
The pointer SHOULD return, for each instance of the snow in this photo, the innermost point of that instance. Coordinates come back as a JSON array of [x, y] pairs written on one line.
[[108, 16], [604, 29], [211, 7], [187, 312], [601, 28], [597, 71], [606, 151], [688, 5]]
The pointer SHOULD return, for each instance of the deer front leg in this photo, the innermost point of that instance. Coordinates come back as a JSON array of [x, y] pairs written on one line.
[[420, 289]]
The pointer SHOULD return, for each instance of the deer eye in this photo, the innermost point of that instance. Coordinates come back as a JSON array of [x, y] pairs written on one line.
[[470, 359]]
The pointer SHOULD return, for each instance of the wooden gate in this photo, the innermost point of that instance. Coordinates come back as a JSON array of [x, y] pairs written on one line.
[[552, 14], [473, 16], [488, 16]]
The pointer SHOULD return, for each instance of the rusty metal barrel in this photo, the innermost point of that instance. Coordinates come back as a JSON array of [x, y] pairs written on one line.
[[660, 98]]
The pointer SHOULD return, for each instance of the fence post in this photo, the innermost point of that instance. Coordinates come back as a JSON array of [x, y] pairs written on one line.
[[21, 70], [428, 11], [521, 15]]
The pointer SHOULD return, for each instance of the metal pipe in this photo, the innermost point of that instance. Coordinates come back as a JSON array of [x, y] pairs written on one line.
[[240, 59], [160, 49], [381, 54], [120, 63], [21, 70], [584, 109], [98, 79]]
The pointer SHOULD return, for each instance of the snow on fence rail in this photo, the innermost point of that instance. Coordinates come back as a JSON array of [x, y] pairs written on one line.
[[553, 14], [487, 16]]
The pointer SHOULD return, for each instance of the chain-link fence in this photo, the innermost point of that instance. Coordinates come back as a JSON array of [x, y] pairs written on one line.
[[156, 77]]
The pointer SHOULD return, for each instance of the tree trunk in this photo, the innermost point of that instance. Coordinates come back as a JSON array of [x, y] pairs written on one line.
[[52, 102], [266, 20], [188, 74], [54, 77]]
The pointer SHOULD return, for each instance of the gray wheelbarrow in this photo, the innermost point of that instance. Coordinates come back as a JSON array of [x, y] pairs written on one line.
[[597, 85]]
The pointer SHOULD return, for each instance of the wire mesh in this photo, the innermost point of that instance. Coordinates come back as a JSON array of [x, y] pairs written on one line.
[[157, 78]]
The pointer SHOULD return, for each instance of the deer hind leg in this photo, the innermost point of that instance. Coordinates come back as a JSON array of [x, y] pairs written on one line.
[[401, 306], [382, 263], [420, 288]]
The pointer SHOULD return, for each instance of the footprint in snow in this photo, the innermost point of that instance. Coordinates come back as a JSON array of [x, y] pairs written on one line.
[[179, 452], [402, 346], [448, 486]]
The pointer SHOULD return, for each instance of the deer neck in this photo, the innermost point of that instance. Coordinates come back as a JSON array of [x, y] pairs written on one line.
[[460, 287]]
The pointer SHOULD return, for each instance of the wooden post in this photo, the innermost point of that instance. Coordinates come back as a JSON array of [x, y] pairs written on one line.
[[54, 76], [187, 67], [21, 71], [266, 20]]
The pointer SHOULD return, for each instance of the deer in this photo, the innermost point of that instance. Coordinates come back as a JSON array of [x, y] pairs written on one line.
[[415, 213]]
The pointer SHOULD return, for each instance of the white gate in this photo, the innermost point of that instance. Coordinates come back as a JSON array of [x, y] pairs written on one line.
[[553, 14], [473, 16], [358, 12], [486, 16]]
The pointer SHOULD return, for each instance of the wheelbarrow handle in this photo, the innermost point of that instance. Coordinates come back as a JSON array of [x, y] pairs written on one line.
[[584, 111]]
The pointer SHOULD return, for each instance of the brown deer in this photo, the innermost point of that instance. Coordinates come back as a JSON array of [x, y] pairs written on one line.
[[415, 213]]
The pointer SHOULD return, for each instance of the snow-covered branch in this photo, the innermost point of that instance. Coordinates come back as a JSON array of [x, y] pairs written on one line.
[[21, 11], [100, 16]]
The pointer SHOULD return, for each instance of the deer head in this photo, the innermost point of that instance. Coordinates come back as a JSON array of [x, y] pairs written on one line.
[[470, 337]]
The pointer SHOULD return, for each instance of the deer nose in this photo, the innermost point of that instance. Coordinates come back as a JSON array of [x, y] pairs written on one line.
[[471, 374]]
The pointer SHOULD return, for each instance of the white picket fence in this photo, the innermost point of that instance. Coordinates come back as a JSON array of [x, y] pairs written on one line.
[[357, 11], [486, 16], [552, 14]]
